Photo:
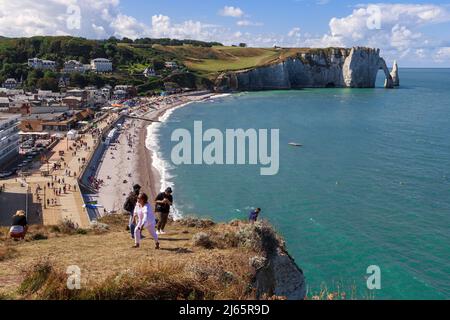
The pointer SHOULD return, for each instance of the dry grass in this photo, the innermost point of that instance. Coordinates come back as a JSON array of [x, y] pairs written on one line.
[[7, 252], [110, 269], [338, 291]]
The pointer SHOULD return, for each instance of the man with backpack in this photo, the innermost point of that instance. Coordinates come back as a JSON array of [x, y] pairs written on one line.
[[130, 204]]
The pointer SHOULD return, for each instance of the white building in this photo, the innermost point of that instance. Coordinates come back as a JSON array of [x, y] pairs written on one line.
[[10, 84], [73, 66], [9, 137], [106, 91], [149, 72], [4, 104], [101, 65], [36, 63], [171, 65]]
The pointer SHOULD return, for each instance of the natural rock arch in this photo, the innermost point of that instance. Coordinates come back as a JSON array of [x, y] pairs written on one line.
[[388, 83]]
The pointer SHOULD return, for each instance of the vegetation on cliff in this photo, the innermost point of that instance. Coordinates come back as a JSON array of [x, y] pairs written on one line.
[[199, 259], [200, 63]]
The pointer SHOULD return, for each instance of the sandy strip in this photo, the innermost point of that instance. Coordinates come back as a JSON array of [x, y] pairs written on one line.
[[122, 166]]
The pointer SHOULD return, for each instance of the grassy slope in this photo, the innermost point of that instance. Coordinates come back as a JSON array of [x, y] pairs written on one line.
[[211, 61], [102, 256]]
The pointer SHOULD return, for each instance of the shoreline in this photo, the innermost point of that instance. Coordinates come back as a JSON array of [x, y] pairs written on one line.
[[124, 165], [154, 179]]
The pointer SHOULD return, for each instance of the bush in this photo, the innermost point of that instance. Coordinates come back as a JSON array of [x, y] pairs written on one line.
[[67, 227], [202, 239], [38, 236], [36, 278], [260, 237], [7, 253], [196, 223]]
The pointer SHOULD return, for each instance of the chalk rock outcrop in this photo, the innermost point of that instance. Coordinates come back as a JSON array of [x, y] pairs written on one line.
[[317, 68], [394, 75]]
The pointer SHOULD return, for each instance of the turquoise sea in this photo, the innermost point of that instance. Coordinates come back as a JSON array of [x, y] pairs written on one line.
[[370, 186]]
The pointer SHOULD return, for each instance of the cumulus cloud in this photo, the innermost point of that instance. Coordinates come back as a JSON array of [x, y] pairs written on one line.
[[294, 32], [162, 26], [93, 18], [395, 28], [400, 30], [230, 11], [443, 54], [248, 23]]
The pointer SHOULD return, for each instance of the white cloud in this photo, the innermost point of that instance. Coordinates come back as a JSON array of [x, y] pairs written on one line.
[[294, 32], [230, 11], [443, 55], [395, 28], [248, 23], [162, 26], [89, 18]]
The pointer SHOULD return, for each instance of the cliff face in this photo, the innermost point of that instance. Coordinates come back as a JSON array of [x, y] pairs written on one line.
[[319, 68]]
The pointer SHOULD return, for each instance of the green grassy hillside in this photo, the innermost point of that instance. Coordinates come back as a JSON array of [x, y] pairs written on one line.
[[200, 62]]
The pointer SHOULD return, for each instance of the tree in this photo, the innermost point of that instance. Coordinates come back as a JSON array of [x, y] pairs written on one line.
[[48, 84], [243, 45]]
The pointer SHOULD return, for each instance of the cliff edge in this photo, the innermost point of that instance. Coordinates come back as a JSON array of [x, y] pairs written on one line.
[[317, 68], [199, 259]]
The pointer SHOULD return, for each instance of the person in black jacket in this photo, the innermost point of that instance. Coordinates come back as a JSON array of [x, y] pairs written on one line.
[[163, 202], [19, 225], [130, 204]]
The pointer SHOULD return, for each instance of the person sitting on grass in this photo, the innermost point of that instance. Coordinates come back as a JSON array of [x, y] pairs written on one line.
[[253, 217], [144, 219], [19, 226]]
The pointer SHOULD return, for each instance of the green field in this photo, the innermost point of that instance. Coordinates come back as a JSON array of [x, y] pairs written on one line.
[[219, 59]]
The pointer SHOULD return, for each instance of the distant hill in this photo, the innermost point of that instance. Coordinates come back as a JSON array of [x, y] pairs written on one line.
[[199, 63], [130, 58]]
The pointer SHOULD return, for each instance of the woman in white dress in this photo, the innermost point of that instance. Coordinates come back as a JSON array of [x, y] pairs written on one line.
[[144, 217]]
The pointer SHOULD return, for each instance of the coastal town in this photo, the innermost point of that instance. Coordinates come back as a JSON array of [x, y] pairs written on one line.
[[57, 148]]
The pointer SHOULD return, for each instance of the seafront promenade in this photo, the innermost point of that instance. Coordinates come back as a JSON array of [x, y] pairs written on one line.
[[53, 191]]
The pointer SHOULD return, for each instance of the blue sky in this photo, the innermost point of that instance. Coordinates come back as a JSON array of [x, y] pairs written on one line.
[[417, 33]]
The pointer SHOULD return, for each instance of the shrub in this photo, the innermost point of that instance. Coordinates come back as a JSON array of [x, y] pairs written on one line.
[[7, 252], [196, 223], [36, 277], [81, 231], [202, 239], [260, 237], [38, 236], [67, 227]]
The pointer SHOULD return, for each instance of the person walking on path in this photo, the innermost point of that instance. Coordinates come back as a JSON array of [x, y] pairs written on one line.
[[144, 217], [130, 204], [163, 202]]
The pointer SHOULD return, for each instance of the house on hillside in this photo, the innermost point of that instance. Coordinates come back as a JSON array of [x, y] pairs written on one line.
[[171, 65], [149, 72], [73, 66], [101, 65], [4, 104], [40, 64], [10, 84]]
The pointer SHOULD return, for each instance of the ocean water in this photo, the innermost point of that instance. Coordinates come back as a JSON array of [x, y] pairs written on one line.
[[370, 186]]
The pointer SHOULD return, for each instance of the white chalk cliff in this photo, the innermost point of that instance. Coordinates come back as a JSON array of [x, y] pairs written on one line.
[[394, 75], [318, 68]]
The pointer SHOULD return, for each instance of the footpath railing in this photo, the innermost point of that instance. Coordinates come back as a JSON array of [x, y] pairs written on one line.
[[91, 157]]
